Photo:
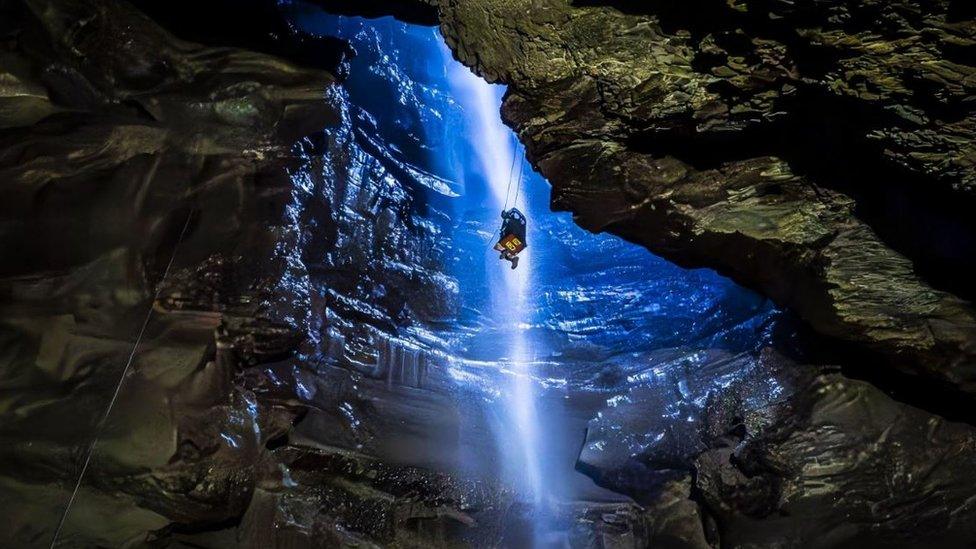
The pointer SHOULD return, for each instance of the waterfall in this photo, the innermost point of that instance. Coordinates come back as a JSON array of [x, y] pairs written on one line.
[[531, 353], [495, 151]]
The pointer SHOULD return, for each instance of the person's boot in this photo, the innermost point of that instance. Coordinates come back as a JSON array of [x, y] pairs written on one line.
[[514, 262]]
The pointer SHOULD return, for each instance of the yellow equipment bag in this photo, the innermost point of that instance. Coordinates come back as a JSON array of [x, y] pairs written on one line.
[[511, 243]]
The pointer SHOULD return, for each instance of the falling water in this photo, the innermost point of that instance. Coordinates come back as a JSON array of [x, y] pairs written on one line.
[[501, 162], [537, 352]]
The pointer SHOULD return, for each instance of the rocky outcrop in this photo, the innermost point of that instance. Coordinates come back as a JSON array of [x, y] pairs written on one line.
[[216, 285], [784, 454], [821, 153], [841, 464], [802, 150], [193, 237], [224, 234]]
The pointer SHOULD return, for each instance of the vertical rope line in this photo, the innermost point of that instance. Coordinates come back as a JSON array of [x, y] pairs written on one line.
[[118, 387], [518, 186], [511, 172]]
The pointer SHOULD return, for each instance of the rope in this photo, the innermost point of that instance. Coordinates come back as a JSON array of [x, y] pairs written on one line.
[[512, 177], [118, 388], [511, 171], [518, 186]]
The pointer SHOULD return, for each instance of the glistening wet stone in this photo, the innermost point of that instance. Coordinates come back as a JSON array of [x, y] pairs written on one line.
[[323, 365]]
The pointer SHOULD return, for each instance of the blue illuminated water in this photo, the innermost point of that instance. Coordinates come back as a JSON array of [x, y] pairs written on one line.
[[551, 342]]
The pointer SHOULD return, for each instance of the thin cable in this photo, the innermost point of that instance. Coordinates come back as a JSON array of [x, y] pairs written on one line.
[[511, 171], [118, 387], [518, 186]]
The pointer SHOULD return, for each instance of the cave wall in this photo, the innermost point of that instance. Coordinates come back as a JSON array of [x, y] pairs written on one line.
[[820, 152], [203, 247], [200, 186]]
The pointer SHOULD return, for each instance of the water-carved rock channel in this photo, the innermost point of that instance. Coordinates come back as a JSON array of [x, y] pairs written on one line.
[[251, 303]]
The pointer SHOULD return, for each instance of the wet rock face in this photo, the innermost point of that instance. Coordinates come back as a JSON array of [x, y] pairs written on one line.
[[226, 229], [841, 464], [805, 150], [201, 225], [782, 454]]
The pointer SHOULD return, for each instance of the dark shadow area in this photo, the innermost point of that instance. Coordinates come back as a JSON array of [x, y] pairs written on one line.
[[416, 12], [251, 24], [961, 10], [796, 340]]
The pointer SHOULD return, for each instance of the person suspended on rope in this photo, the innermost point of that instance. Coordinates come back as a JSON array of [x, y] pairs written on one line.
[[511, 239]]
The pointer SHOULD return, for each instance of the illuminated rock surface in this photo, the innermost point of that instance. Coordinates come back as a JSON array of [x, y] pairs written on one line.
[[319, 365], [807, 151]]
